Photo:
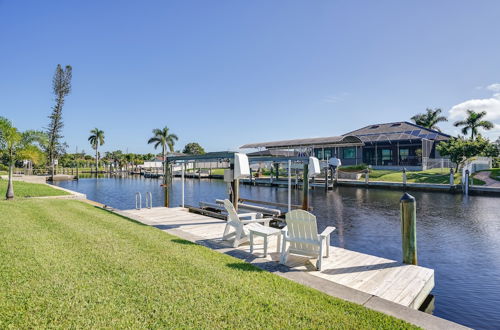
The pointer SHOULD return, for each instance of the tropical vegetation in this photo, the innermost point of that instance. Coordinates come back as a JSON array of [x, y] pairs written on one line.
[[96, 139], [429, 119], [460, 149], [473, 122], [193, 148], [16, 146], [162, 137], [61, 86]]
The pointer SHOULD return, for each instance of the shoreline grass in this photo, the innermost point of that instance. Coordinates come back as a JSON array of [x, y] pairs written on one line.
[[66, 264], [435, 176], [27, 189]]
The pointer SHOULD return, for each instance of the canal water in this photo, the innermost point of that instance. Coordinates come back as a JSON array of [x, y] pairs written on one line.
[[458, 236]]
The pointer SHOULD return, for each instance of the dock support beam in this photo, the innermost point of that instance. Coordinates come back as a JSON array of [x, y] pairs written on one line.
[[289, 185], [167, 180], [326, 178], [409, 229], [182, 181], [305, 188], [235, 197], [466, 182]]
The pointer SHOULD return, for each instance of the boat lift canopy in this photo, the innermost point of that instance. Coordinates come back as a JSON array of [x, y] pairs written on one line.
[[310, 165]]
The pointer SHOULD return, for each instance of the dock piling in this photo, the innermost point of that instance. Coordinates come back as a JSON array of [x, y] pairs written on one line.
[[409, 229], [466, 182], [305, 187], [326, 178]]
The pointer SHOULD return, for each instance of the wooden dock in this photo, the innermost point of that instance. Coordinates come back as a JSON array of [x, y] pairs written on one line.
[[391, 280]]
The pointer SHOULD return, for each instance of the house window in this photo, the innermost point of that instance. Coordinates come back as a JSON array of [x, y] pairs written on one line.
[[319, 153], [386, 155], [328, 153], [404, 154], [349, 153]]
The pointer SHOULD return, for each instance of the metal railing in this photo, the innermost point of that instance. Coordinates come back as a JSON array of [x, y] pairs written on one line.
[[148, 200]]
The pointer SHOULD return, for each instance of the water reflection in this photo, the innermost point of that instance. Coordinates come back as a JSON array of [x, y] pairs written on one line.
[[457, 236]]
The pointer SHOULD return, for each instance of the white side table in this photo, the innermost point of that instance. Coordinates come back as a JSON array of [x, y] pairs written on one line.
[[265, 232]]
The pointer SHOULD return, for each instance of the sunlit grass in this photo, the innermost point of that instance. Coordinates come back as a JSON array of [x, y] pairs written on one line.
[[440, 176], [66, 264], [25, 189]]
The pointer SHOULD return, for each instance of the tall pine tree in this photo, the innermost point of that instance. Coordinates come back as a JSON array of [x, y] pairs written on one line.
[[61, 85]]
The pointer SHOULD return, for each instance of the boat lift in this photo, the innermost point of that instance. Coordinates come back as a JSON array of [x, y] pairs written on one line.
[[239, 167]]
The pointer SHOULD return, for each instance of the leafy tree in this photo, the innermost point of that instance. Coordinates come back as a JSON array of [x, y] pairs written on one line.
[[61, 85], [15, 145], [474, 121], [96, 139], [429, 119], [193, 148], [460, 149]]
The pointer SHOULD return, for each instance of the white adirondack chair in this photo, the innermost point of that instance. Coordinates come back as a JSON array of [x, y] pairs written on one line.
[[241, 227], [301, 232]]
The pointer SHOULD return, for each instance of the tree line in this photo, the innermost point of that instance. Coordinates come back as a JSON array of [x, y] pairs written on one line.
[[461, 148], [46, 149]]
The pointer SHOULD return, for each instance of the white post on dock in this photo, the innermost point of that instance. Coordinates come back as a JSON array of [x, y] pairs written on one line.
[[289, 185], [182, 185]]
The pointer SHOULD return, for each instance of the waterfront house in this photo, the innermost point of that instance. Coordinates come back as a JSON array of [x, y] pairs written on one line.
[[387, 145]]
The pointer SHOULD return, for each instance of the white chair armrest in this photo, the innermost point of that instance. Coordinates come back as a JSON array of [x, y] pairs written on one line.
[[263, 220], [328, 230], [252, 215]]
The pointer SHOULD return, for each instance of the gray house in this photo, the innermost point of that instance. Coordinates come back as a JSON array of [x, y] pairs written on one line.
[[398, 144]]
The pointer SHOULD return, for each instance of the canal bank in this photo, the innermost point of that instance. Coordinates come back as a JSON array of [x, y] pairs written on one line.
[[452, 230], [207, 231]]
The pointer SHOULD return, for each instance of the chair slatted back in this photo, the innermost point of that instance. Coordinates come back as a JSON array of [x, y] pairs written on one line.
[[232, 216], [302, 225]]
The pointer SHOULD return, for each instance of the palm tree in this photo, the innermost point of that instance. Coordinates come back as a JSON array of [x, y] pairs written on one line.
[[429, 119], [15, 144], [96, 139], [474, 121], [163, 138]]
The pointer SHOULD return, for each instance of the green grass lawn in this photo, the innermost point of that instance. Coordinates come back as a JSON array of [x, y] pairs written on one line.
[[66, 264], [495, 174], [428, 176], [218, 171], [25, 189]]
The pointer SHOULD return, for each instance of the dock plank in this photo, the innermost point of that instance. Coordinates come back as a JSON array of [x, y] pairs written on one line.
[[407, 285]]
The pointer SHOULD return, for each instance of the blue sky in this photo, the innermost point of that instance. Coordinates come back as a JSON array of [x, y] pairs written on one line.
[[226, 73]]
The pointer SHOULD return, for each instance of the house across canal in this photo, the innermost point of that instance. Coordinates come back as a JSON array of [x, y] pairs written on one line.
[[384, 146]]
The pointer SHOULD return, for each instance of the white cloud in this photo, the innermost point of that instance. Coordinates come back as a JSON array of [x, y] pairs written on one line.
[[494, 87], [490, 105]]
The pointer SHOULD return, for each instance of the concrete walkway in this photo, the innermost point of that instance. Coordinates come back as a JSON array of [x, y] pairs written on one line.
[[485, 176]]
